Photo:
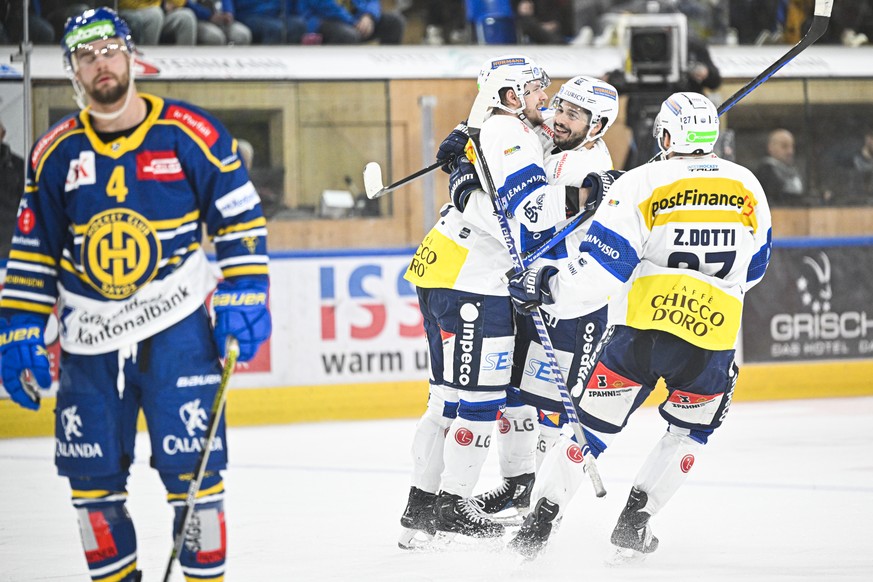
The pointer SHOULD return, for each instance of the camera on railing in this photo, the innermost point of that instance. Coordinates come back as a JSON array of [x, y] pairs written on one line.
[[654, 47]]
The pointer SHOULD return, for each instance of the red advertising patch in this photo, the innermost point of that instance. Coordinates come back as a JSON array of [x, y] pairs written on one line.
[[26, 221], [503, 425], [46, 140], [463, 436], [679, 397], [161, 166], [686, 463], [196, 122], [574, 453], [604, 378]]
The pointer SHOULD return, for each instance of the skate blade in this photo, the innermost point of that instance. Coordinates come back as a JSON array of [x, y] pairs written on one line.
[[414, 540], [625, 557]]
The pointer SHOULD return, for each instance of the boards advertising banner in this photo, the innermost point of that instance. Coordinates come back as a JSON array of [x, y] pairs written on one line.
[[813, 304]]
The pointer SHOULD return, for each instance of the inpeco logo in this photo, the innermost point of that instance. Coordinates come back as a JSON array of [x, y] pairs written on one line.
[[469, 313]]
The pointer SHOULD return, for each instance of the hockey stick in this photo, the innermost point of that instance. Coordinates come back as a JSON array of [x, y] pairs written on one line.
[[474, 124], [821, 18], [232, 352], [373, 184], [820, 21]]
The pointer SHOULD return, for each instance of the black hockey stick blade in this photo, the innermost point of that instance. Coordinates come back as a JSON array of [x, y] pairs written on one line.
[[373, 178]]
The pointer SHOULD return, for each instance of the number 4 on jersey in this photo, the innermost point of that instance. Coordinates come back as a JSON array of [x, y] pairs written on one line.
[[116, 187]]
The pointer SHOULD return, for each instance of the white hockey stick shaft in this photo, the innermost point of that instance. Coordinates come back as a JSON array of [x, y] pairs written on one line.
[[373, 184], [474, 123]]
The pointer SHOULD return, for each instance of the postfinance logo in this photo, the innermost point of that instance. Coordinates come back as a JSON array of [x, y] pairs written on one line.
[[120, 253]]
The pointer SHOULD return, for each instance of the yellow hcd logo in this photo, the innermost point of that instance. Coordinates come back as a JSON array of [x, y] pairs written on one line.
[[120, 252]]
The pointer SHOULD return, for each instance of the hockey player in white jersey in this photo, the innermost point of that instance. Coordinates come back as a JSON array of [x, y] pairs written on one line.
[[676, 246], [583, 110]]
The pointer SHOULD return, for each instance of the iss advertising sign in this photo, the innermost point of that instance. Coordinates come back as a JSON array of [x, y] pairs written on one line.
[[813, 304]]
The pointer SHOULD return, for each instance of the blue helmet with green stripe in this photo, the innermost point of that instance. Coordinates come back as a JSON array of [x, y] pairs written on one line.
[[692, 122], [90, 26]]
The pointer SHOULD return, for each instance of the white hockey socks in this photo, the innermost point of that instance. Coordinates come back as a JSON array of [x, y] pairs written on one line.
[[547, 439], [466, 449], [560, 474], [517, 441], [469, 439], [430, 436], [666, 467]]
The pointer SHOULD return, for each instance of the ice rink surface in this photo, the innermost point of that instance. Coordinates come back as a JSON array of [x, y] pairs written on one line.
[[783, 491]]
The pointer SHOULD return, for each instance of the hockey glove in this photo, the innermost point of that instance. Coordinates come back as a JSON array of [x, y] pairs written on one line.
[[462, 183], [241, 311], [598, 184], [22, 348], [530, 288], [452, 148]]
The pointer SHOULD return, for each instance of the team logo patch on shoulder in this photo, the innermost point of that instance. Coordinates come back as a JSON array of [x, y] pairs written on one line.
[[160, 166], [46, 140], [195, 122]]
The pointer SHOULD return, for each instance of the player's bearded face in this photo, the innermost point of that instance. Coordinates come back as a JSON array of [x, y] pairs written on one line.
[[535, 98], [104, 72], [571, 125]]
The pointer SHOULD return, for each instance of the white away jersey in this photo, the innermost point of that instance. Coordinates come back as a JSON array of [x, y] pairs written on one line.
[[676, 244]]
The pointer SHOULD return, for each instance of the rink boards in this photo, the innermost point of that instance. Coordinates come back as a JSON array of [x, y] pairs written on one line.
[[348, 342]]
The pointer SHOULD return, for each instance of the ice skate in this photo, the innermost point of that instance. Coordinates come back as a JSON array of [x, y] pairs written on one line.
[[632, 536], [417, 520], [513, 492], [534, 534], [458, 515]]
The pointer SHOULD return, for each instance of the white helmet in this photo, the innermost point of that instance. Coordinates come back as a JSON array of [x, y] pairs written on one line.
[[509, 72], [692, 122], [598, 98]]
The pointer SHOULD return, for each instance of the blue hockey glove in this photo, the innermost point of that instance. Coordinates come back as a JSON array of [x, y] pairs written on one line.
[[452, 148], [462, 182], [241, 311], [22, 348], [530, 288], [598, 184]]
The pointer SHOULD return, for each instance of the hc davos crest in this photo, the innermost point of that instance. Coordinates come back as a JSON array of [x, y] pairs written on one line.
[[194, 418], [120, 252]]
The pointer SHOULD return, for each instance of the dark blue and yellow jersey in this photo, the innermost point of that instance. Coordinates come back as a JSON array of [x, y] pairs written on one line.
[[112, 231]]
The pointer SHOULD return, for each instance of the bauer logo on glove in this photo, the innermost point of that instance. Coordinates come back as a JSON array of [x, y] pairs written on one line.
[[530, 288]]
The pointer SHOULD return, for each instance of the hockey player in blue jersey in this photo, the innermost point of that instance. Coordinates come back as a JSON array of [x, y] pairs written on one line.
[[109, 230]]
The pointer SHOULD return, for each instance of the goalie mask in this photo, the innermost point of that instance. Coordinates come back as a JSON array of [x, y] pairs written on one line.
[[89, 27], [692, 122], [510, 72], [598, 98]]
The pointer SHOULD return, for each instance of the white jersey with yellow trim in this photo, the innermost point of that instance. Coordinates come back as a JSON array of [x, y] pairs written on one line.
[[676, 245], [112, 231]]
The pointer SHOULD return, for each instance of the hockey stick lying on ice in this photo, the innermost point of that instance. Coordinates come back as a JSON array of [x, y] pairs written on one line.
[[373, 184], [232, 351], [474, 124]]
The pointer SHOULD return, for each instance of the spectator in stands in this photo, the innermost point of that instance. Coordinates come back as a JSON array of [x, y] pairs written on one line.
[[849, 178], [159, 21], [778, 173], [216, 24], [353, 21], [58, 11], [543, 21], [753, 20], [272, 21], [11, 189], [445, 23], [39, 30]]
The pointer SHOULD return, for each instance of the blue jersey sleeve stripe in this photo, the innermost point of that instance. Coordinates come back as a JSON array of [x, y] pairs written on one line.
[[611, 250], [520, 184], [761, 259]]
